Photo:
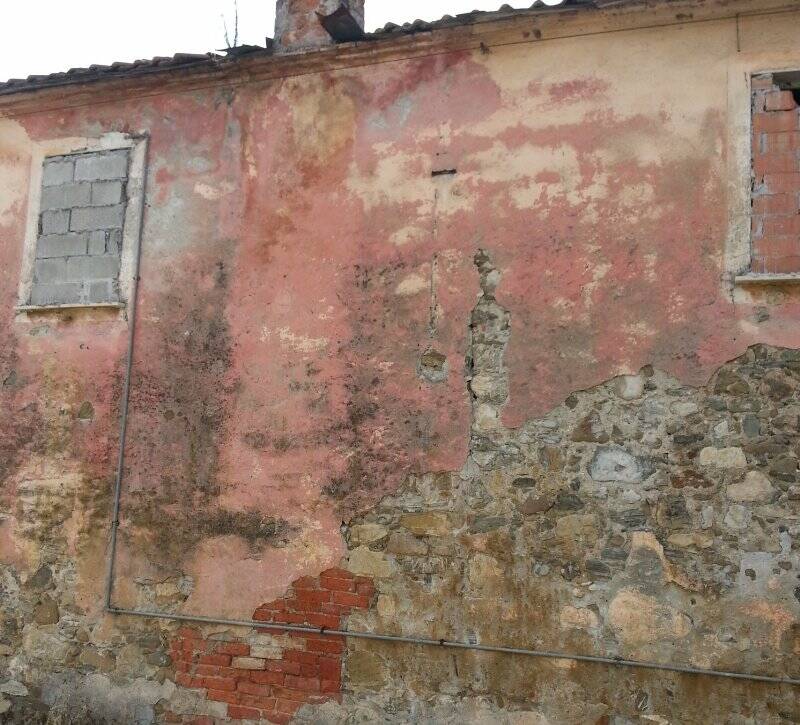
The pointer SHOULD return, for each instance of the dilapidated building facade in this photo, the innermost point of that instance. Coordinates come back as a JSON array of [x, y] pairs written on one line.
[[447, 373]]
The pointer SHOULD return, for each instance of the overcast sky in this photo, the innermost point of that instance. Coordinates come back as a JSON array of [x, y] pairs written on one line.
[[46, 36]]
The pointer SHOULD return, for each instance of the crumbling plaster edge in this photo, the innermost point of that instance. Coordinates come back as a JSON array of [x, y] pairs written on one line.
[[515, 649]]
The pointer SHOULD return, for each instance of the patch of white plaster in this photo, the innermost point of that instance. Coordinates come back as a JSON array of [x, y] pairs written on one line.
[[14, 165], [408, 235], [412, 285], [212, 193], [301, 343]]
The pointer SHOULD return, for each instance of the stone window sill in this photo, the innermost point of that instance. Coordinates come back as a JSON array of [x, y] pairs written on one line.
[[767, 278], [71, 306]]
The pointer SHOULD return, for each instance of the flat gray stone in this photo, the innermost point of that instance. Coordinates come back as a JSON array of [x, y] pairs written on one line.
[[616, 464], [14, 688], [738, 517], [722, 457], [629, 387]]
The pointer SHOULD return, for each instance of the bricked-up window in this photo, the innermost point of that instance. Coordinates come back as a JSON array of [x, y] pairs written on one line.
[[775, 224], [80, 230]]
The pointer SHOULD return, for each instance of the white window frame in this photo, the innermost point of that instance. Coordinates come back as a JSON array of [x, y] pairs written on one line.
[[137, 145]]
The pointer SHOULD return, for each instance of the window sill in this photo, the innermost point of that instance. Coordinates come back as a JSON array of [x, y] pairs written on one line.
[[767, 278], [71, 306]]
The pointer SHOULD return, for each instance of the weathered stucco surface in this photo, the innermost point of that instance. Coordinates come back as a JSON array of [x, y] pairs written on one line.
[[518, 396]]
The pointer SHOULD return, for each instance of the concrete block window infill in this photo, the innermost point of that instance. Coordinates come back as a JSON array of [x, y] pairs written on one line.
[[71, 267], [84, 223]]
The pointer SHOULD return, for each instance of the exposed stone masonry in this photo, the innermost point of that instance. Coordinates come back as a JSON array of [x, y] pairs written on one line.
[[81, 218], [643, 519]]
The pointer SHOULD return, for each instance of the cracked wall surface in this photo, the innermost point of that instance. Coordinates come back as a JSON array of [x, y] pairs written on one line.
[[642, 519], [453, 327]]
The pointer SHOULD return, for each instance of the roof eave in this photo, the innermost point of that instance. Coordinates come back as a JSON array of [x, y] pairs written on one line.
[[481, 32]]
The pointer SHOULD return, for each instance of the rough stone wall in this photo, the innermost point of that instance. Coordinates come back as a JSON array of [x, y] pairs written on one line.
[[642, 519]]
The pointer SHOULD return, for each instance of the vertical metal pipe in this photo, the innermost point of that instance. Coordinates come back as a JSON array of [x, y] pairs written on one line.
[[126, 388]]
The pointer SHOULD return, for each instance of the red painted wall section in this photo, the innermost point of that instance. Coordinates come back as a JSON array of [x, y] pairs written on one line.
[[271, 682], [299, 258]]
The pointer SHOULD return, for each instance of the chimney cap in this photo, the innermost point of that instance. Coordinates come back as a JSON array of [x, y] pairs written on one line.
[[312, 24], [342, 25]]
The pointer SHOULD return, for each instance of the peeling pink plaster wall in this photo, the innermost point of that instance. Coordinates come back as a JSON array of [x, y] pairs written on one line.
[[293, 236]]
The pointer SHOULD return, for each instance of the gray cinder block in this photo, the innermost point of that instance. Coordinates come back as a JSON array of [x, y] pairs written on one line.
[[50, 270], [82, 211], [61, 245], [55, 222], [106, 193], [102, 291], [92, 268], [97, 217], [57, 171], [56, 293], [65, 196], [101, 166], [97, 242]]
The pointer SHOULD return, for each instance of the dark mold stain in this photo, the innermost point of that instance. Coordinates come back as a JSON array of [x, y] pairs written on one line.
[[180, 402], [169, 536]]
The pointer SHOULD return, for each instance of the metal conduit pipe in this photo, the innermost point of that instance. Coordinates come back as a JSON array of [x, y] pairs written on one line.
[[420, 641], [126, 387], [596, 659]]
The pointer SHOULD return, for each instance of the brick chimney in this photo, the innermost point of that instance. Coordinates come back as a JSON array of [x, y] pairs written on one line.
[[311, 24]]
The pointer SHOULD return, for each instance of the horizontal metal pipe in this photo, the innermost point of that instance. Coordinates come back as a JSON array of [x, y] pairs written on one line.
[[595, 659]]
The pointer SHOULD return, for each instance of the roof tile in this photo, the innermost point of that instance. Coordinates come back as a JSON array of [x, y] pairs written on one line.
[[194, 60]]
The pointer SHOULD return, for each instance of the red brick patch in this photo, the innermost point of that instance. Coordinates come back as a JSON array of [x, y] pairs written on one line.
[[310, 672], [776, 179]]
